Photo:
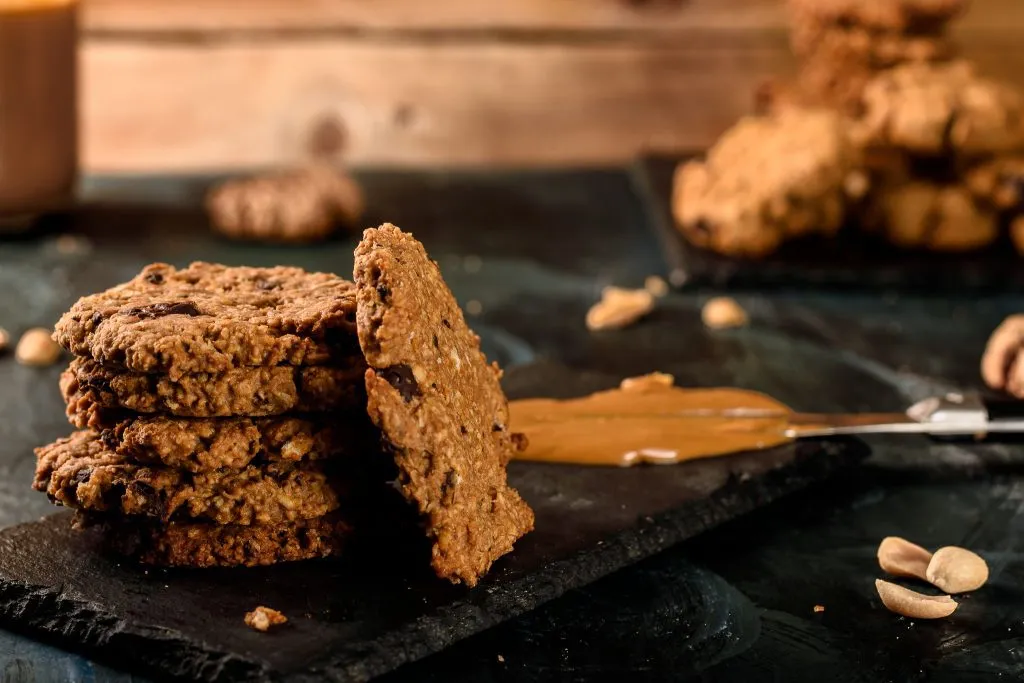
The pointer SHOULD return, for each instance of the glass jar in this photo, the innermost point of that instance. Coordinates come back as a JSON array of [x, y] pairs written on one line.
[[38, 109]]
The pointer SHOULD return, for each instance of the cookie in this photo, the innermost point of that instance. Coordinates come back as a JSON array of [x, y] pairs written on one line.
[[766, 180], [208, 444], [999, 183], [848, 46], [297, 206], [253, 392], [897, 15], [438, 404], [82, 472], [941, 109], [198, 545], [921, 215], [212, 318]]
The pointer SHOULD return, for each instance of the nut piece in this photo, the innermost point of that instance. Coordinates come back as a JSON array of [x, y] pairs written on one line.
[[818, 609], [262, 618], [36, 347], [654, 380], [957, 570], [656, 285], [1000, 366], [722, 312], [913, 604], [619, 308], [900, 557]]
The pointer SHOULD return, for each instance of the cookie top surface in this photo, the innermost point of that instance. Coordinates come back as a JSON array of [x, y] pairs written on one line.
[[941, 109], [888, 14], [255, 391], [210, 318], [438, 404], [766, 179], [82, 472]]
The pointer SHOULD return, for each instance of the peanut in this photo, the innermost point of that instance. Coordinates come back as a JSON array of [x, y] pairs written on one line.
[[619, 308], [36, 347], [957, 570], [912, 604], [722, 312], [656, 285], [999, 364], [900, 557]]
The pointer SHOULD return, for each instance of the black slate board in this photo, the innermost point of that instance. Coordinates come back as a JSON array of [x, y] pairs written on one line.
[[350, 621], [851, 260]]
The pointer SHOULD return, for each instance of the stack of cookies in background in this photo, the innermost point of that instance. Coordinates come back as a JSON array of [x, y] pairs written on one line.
[[217, 409], [932, 149]]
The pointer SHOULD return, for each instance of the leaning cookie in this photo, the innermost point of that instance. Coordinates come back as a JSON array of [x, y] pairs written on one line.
[[81, 472], [199, 545], [439, 406], [768, 179]]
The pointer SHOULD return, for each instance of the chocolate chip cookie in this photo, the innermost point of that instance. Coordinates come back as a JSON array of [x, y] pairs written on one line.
[[924, 215], [438, 404], [766, 180], [208, 444], [212, 318], [198, 545], [90, 388], [82, 472], [941, 109]]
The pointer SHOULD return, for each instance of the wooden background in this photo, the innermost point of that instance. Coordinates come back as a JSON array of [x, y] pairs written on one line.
[[182, 85]]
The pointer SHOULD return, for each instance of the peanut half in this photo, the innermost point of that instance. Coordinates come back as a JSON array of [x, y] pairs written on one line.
[[912, 604], [619, 308], [36, 347], [957, 570], [900, 557], [722, 312]]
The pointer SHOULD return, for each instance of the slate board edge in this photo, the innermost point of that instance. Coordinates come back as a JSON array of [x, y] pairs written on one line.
[[148, 651]]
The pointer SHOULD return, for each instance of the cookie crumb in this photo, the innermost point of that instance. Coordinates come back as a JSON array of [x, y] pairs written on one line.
[[501, 659], [722, 312], [652, 380], [656, 285], [474, 307], [619, 308], [70, 244], [37, 348], [818, 609], [262, 618]]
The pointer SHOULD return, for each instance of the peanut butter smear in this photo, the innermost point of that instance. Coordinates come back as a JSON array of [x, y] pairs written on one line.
[[648, 420]]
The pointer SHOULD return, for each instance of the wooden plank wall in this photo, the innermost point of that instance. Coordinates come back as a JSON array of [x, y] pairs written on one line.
[[182, 85]]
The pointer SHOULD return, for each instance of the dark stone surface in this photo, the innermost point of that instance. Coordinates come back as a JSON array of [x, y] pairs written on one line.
[[853, 259], [730, 605]]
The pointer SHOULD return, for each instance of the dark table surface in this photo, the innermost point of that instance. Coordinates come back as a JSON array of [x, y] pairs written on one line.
[[736, 604]]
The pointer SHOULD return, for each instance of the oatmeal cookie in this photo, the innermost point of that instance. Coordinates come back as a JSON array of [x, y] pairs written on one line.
[[766, 180], [211, 318], [439, 406], [941, 109], [929, 216], [252, 392], [82, 472], [199, 545], [297, 206], [208, 444]]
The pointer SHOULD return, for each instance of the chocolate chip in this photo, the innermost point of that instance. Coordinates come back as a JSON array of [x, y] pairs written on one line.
[[160, 310], [519, 441], [383, 291], [155, 278], [462, 428], [402, 379], [436, 343], [444, 321], [97, 382], [96, 319], [497, 427], [109, 439], [82, 475], [266, 285]]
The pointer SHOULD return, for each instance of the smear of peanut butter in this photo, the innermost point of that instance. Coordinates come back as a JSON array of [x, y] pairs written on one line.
[[648, 420]]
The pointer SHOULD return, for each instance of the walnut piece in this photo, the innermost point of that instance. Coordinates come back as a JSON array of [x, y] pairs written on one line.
[[262, 618], [302, 205]]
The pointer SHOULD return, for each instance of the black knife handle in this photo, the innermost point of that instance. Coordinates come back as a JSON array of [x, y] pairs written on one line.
[[1004, 408]]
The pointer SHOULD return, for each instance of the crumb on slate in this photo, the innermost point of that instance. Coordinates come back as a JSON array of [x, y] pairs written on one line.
[[819, 608], [722, 312], [656, 285], [262, 618], [619, 308]]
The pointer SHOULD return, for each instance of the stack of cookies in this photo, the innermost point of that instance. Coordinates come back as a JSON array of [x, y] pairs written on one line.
[[842, 44], [882, 130], [242, 416]]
